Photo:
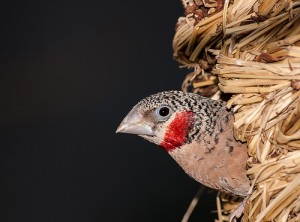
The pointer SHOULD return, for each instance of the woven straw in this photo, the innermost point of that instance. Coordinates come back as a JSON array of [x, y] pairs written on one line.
[[251, 49]]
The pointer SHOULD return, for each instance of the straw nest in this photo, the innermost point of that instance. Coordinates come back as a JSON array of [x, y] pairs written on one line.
[[251, 50]]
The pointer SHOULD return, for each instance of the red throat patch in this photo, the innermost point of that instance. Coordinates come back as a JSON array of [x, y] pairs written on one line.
[[176, 132]]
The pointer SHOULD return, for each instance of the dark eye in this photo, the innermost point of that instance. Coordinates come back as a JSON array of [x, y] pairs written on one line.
[[164, 111]]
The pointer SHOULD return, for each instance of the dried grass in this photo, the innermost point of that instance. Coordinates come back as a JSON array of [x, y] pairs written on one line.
[[251, 49]]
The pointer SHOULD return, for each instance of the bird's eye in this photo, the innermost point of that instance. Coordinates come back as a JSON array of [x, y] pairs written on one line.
[[163, 113]]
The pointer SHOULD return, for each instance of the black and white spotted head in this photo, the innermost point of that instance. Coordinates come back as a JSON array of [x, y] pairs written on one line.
[[172, 118]]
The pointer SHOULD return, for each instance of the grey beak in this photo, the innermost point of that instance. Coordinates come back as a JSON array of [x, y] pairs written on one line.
[[134, 123]]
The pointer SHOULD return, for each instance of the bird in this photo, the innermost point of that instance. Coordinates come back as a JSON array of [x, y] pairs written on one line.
[[197, 132]]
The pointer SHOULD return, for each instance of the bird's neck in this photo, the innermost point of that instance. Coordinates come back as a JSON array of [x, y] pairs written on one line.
[[217, 160], [212, 126], [185, 127]]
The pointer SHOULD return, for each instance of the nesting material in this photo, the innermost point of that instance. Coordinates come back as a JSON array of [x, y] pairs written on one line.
[[251, 49]]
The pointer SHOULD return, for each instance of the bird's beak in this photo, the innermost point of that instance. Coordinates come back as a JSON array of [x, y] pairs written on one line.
[[134, 123]]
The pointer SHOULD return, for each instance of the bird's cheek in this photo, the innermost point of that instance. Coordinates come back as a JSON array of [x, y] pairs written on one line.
[[177, 131]]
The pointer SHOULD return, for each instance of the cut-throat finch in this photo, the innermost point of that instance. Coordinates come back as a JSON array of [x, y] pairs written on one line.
[[197, 132]]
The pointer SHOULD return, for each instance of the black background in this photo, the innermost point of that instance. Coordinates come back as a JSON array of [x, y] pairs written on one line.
[[69, 73]]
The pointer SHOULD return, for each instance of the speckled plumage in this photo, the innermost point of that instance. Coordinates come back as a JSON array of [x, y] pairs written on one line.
[[207, 151], [210, 111]]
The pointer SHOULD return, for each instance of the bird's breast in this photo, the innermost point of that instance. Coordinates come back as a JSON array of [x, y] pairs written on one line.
[[215, 166]]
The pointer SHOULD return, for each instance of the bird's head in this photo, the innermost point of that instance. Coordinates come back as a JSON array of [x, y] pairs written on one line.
[[168, 118]]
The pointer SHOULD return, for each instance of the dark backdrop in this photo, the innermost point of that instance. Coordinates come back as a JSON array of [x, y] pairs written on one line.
[[69, 73]]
